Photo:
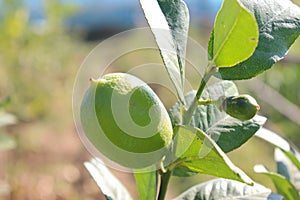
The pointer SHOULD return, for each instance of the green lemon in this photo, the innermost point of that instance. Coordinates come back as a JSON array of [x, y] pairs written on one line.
[[126, 121], [243, 107]]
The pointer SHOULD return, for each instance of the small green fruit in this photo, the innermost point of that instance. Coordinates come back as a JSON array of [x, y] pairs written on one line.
[[126, 121], [243, 107]]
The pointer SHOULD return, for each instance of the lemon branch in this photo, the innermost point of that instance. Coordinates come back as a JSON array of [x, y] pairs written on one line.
[[187, 115]]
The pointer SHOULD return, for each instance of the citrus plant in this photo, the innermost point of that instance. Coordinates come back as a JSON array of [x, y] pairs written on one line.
[[248, 37]]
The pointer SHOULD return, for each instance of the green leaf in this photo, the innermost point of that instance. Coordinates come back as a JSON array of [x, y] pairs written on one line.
[[277, 141], [235, 35], [197, 152], [7, 142], [283, 186], [205, 116], [231, 133], [111, 187], [228, 132], [169, 22], [222, 189], [7, 119], [279, 27], [286, 168], [146, 183]]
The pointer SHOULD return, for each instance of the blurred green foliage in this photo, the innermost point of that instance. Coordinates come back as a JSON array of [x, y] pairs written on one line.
[[34, 59], [38, 65]]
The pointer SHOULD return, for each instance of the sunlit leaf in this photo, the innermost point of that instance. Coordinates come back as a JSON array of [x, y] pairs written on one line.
[[169, 22], [111, 187], [286, 168], [277, 141], [222, 189], [197, 152], [235, 35], [283, 186], [146, 183], [279, 27]]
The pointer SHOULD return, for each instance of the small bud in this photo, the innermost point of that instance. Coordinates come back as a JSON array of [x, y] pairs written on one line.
[[243, 107]]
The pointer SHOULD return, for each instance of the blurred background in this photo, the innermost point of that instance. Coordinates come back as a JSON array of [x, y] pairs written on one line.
[[42, 45]]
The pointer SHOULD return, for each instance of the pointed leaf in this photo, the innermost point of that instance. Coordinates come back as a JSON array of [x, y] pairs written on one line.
[[169, 22], [286, 168], [222, 189], [111, 187], [279, 27], [228, 132], [235, 34], [291, 152], [231, 133], [197, 152], [283, 186], [146, 183]]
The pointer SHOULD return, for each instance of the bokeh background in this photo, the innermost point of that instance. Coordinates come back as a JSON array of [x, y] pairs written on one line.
[[42, 45]]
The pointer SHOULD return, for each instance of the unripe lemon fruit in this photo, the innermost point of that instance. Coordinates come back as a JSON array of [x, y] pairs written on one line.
[[126, 121], [243, 107]]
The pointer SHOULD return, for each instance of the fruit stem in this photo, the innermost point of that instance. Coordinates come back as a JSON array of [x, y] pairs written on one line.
[[189, 112], [205, 102], [164, 181]]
